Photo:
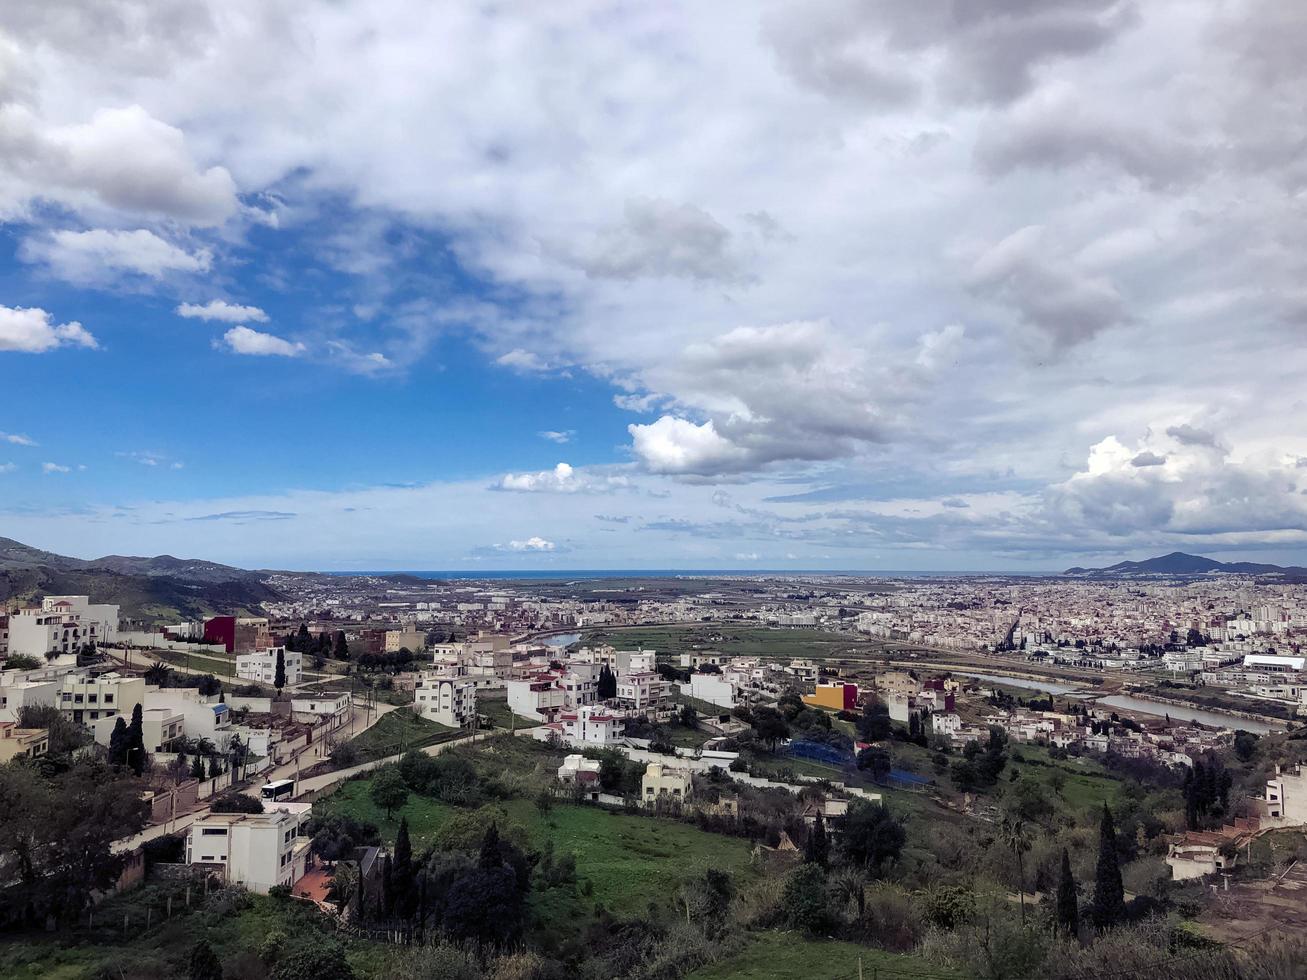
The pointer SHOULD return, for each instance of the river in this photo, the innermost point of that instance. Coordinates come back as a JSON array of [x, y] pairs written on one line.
[[1215, 718], [1048, 687], [561, 640]]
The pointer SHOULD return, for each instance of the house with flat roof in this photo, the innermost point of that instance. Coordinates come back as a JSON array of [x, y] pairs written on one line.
[[257, 850], [22, 743]]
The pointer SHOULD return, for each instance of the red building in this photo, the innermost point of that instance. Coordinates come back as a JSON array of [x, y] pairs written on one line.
[[221, 629]]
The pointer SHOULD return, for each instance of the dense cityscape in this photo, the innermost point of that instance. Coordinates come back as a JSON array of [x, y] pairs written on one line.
[[749, 490]]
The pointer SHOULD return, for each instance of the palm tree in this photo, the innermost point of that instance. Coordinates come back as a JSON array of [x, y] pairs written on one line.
[[1012, 831], [850, 885]]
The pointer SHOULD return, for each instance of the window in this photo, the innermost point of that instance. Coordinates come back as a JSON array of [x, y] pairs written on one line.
[[213, 832], [108, 699]]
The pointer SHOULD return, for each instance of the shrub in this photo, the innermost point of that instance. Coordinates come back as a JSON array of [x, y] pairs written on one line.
[[890, 919], [803, 900]]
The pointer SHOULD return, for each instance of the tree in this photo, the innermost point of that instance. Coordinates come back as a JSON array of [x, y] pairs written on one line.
[[205, 964], [1245, 744], [606, 687], [1012, 831], [817, 848], [874, 722], [237, 803], [770, 725], [689, 716], [238, 752], [402, 874], [341, 648], [1108, 905], [303, 641], [279, 678], [197, 767], [877, 761], [803, 899], [389, 790], [118, 743], [1068, 912], [134, 741], [869, 836], [157, 674]]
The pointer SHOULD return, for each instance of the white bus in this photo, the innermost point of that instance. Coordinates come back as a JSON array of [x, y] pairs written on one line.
[[282, 789]]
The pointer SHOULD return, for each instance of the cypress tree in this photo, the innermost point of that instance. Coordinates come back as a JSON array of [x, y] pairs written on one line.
[[817, 849], [118, 743], [279, 679], [401, 872], [197, 767], [341, 651], [1108, 907], [135, 742], [490, 854], [1068, 912]]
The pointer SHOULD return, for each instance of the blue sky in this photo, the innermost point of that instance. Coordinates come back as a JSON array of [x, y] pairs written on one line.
[[820, 285]]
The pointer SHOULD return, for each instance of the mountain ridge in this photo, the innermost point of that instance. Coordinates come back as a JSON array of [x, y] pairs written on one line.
[[155, 589], [1182, 563]]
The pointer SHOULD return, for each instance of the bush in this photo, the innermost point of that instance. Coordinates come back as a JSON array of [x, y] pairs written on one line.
[[237, 803], [803, 900], [891, 920]]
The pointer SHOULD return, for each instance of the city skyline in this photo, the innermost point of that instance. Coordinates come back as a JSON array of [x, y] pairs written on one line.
[[863, 288]]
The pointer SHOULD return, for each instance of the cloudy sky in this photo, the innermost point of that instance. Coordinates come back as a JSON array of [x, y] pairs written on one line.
[[822, 284]]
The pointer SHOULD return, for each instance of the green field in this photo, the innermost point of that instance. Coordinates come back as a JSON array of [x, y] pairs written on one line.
[[397, 732], [628, 859], [776, 955], [497, 711], [738, 641]]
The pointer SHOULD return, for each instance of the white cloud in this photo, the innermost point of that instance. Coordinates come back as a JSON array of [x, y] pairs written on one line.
[[243, 340], [8, 467], [563, 478], [675, 445], [98, 255], [223, 312], [17, 439], [29, 330], [55, 468], [532, 543], [560, 437], [523, 361], [358, 363], [153, 459], [123, 161]]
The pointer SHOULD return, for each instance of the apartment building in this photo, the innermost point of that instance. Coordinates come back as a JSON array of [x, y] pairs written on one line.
[[261, 665], [202, 717], [161, 728], [22, 743], [17, 694], [641, 691], [61, 624], [664, 781], [590, 725], [85, 698], [537, 697], [448, 701], [257, 850], [412, 640], [1286, 795]]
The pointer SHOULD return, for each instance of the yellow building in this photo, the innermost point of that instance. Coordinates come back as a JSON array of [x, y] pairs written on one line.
[[22, 743], [835, 696]]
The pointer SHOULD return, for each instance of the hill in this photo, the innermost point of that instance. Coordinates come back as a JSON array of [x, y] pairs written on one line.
[[148, 589], [1179, 563]]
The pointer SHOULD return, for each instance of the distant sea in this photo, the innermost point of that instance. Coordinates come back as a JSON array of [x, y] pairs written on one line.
[[569, 574]]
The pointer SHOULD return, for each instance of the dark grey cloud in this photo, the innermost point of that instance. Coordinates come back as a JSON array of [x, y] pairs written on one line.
[[662, 239], [1148, 459], [1191, 435]]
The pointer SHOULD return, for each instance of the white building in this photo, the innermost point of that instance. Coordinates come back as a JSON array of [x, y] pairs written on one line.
[[713, 688], [664, 781], [160, 728], [1286, 795], [641, 691], [63, 624], [204, 718], [537, 697], [448, 701], [577, 770], [257, 850], [17, 695], [84, 698], [589, 725], [262, 666]]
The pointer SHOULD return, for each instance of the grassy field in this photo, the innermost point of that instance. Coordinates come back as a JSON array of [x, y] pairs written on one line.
[[776, 955], [737, 641], [628, 859], [398, 731], [497, 711]]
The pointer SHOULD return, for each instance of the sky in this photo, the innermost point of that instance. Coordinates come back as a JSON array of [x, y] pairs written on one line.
[[832, 284]]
